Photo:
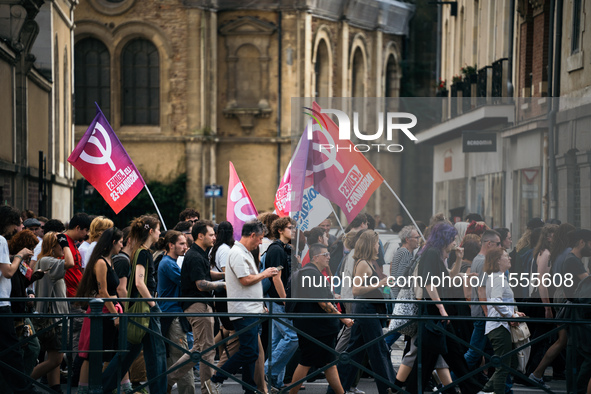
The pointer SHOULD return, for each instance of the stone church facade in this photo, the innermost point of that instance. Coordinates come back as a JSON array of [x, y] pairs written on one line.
[[189, 85]]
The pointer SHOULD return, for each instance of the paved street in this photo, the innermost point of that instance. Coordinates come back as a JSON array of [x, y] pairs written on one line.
[[367, 385]]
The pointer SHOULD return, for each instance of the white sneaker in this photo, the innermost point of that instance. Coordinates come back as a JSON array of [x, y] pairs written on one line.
[[539, 381], [355, 390], [213, 388]]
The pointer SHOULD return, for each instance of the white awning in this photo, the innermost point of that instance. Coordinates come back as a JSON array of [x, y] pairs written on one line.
[[481, 118]]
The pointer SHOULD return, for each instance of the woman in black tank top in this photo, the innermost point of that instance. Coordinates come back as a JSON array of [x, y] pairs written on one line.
[[100, 281], [368, 283]]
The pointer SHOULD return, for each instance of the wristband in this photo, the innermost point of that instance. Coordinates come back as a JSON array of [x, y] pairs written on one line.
[[19, 256]]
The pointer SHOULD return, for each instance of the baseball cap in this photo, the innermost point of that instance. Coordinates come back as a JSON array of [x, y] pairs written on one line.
[[535, 223], [579, 234]]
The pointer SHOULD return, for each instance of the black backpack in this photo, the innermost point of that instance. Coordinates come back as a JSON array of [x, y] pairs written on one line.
[[337, 251], [293, 292]]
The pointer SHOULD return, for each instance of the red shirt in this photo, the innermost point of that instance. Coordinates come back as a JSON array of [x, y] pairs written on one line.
[[74, 274]]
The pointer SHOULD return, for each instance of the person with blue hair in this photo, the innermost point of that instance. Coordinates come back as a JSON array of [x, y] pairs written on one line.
[[433, 270]]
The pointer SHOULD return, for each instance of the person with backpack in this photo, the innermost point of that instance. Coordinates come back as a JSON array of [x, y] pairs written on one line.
[[284, 339], [145, 231], [244, 281], [218, 257], [312, 284]]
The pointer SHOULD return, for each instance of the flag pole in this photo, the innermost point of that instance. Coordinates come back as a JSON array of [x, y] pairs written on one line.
[[337, 217], [156, 206], [406, 210]]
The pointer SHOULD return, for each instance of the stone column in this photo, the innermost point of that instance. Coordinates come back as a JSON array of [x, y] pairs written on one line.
[[194, 98], [584, 163], [565, 166], [195, 185]]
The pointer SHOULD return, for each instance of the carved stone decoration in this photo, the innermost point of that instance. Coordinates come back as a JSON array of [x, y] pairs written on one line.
[[538, 6], [522, 7], [16, 20], [247, 44]]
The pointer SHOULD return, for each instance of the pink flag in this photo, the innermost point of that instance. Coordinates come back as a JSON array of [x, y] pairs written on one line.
[[341, 174], [102, 161], [283, 195], [240, 208]]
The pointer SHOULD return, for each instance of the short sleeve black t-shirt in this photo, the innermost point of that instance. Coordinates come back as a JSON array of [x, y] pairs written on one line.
[[572, 265], [145, 259], [121, 265], [314, 287], [276, 256], [195, 267], [430, 266]]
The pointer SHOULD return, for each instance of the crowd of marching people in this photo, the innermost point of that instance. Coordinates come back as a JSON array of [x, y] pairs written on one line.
[[202, 262]]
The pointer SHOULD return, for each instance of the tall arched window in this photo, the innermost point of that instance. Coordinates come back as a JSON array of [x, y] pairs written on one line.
[[322, 70], [392, 78], [92, 79], [358, 80], [140, 82]]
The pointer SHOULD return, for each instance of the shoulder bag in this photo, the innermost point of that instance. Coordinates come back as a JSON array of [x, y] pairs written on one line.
[[404, 309], [136, 326], [520, 337]]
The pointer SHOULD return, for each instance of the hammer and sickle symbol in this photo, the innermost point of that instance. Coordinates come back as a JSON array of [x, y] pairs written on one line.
[[330, 153], [105, 150]]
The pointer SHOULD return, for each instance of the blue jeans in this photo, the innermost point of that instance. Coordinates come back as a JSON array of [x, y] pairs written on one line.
[[478, 340], [390, 339], [154, 355], [284, 345], [246, 356], [363, 331]]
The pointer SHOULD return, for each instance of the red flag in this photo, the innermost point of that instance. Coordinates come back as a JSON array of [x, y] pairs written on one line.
[[102, 161], [240, 208], [341, 174]]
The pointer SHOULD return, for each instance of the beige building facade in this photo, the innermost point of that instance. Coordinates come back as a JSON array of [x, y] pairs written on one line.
[[36, 66], [529, 87], [190, 85]]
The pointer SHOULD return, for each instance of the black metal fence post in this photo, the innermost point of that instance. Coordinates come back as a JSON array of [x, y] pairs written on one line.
[[95, 357]]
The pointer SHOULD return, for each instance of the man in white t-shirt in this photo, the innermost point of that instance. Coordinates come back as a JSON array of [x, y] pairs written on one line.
[[243, 280], [10, 221]]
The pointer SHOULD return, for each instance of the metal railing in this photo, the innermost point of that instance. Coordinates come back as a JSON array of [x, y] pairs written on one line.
[[422, 319]]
